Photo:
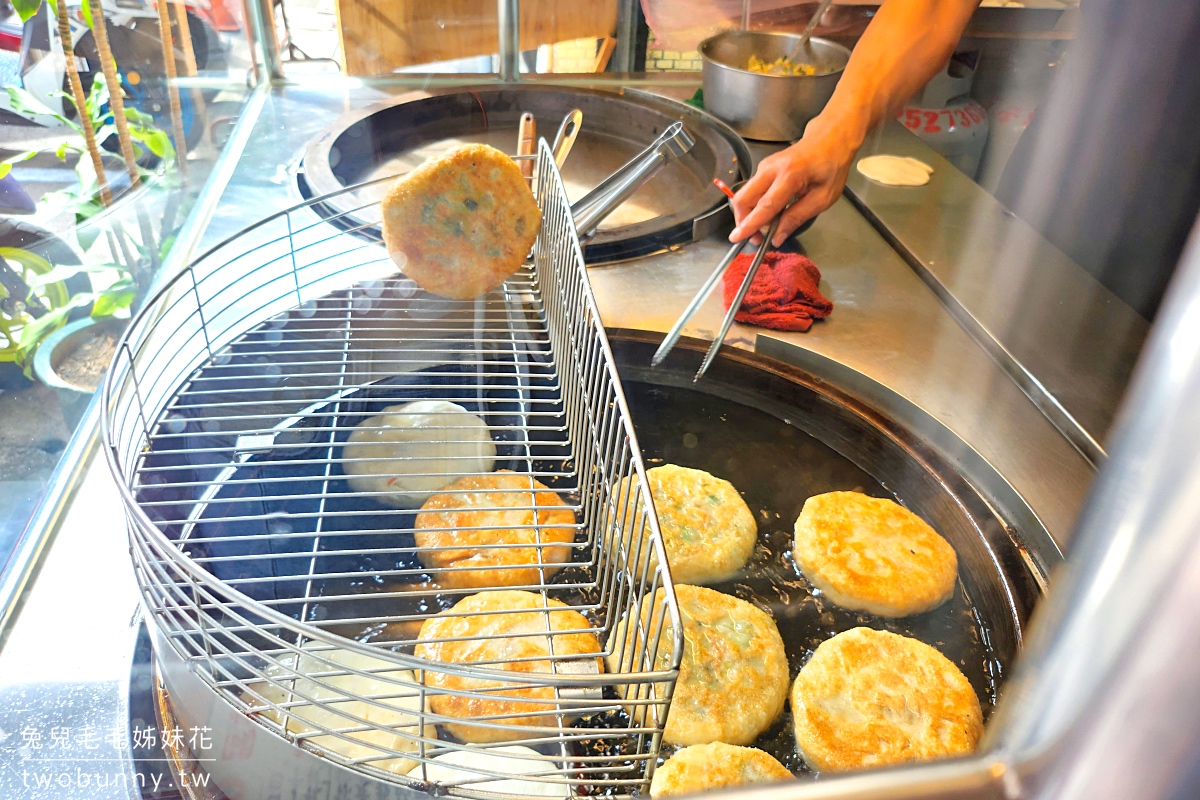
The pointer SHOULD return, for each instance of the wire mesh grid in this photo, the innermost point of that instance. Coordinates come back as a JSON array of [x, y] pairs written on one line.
[[274, 529]]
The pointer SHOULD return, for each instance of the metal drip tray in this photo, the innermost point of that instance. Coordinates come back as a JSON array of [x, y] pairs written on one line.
[[678, 206]]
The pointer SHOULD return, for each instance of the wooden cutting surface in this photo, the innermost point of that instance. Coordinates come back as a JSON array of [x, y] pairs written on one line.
[[378, 36]]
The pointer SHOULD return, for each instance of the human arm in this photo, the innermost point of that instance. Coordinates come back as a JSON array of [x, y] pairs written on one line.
[[905, 45]]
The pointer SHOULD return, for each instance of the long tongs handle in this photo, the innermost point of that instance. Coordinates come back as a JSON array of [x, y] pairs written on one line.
[[564, 139], [737, 301], [591, 210], [673, 335]]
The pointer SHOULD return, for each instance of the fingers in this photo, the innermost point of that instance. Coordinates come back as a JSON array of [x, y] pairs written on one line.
[[768, 206], [801, 211], [752, 190]]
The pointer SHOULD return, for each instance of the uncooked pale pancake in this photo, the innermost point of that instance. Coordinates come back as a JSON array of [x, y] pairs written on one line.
[[895, 170], [314, 704], [872, 554], [733, 677], [477, 514], [460, 224], [703, 767], [411, 450], [869, 698], [707, 529], [506, 632], [468, 767]]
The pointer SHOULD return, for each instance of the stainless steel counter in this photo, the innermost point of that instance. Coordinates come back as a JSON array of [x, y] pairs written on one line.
[[66, 660]]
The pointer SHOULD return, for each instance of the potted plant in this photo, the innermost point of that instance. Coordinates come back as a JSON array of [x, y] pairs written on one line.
[[71, 358]]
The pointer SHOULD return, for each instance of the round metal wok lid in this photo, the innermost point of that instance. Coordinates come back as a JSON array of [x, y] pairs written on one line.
[[677, 206]]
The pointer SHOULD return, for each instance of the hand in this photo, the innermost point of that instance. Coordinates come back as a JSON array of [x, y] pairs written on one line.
[[810, 175]]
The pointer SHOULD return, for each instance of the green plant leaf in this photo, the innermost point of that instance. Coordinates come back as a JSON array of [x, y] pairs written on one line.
[[33, 333], [96, 100], [64, 271], [158, 142], [139, 117], [25, 102], [84, 233], [26, 8], [87, 13], [117, 297], [7, 164]]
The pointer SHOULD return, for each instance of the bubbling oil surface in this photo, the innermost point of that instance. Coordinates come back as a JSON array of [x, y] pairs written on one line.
[[776, 466]]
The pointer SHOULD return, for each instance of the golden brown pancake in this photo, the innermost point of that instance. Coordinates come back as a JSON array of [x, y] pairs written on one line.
[[460, 224], [511, 638], [707, 528], [869, 698], [480, 510], [733, 678], [874, 555], [703, 767]]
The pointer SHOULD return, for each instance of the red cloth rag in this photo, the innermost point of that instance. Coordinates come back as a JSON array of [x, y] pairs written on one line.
[[784, 294]]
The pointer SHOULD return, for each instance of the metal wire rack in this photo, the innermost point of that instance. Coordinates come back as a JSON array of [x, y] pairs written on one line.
[[299, 597]]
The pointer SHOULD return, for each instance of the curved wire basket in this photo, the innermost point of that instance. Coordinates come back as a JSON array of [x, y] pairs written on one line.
[[297, 599]]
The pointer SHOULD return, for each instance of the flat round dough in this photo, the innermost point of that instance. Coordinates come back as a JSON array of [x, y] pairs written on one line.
[[733, 677], [462, 223], [476, 514], [703, 767], [427, 444], [895, 170], [397, 709], [869, 698], [872, 554], [708, 531], [510, 635], [467, 767]]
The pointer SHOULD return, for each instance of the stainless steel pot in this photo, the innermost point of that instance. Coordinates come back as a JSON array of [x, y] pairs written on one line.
[[774, 108]]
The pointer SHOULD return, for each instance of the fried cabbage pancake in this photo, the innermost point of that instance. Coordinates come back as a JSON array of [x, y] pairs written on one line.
[[477, 512], [504, 630], [872, 554], [703, 767], [733, 677], [707, 529], [462, 223], [868, 698]]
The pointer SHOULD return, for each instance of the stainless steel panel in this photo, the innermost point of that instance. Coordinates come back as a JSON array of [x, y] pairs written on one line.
[[1068, 341]]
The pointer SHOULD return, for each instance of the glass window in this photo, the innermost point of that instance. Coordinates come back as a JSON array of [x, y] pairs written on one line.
[[105, 145]]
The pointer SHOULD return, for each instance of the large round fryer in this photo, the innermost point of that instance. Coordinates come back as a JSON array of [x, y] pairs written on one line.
[[779, 434], [678, 206]]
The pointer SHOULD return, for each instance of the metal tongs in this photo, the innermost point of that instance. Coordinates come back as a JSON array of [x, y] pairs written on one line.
[[590, 210], [673, 335]]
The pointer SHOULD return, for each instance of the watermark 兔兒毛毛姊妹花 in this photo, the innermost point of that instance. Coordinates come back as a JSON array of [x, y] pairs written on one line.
[[61, 757]]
